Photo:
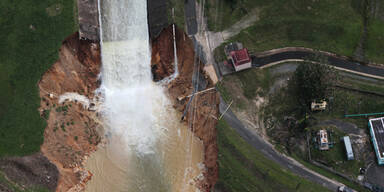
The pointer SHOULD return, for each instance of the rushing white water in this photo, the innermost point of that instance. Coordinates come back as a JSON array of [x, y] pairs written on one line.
[[130, 97], [142, 152]]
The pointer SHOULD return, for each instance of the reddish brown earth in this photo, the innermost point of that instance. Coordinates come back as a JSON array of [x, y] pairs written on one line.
[[70, 135], [71, 132], [202, 113]]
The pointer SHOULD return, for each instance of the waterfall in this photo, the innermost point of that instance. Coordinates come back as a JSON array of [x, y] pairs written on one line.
[[131, 99], [146, 145]]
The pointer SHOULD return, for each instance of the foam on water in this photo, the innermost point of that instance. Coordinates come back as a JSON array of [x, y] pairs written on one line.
[[147, 146], [132, 101], [130, 96]]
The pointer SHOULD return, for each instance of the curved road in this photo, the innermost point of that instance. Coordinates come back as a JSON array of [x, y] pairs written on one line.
[[332, 60], [288, 163]]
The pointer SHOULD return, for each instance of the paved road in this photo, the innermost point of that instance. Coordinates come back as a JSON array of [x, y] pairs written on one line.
[[334, 61], [286, 162], [256, 141]]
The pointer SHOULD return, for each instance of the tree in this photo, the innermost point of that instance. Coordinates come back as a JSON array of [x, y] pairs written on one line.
[[312, 81]]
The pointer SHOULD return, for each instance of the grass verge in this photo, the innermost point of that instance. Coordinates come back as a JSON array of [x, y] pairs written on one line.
[[329, 174], [335, 157], [242, 168]]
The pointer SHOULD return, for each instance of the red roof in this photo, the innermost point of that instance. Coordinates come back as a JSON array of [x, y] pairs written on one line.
[[240, 57]]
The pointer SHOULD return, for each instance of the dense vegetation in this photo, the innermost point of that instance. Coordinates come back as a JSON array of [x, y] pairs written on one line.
[[31, 33], [330, 25], [312, 82], [242, 168]]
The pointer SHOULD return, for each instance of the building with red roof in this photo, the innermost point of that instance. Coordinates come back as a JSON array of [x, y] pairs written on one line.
[[240, 59]]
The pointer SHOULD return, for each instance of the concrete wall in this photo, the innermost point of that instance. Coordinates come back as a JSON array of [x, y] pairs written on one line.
[[243, 66], [157, 16], [89, 27], [88, 19]]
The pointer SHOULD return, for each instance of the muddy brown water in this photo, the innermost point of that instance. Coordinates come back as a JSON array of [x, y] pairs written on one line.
[[182, 157]]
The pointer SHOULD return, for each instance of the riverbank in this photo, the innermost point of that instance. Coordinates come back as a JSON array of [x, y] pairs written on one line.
[[201, 114]]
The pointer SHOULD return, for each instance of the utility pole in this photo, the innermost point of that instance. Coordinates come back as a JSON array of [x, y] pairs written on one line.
[[225, 110]]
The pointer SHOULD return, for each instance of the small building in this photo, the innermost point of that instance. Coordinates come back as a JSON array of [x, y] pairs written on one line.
[[376, 128], [348, 148], [241, 59], [318, 106], [323, 140]]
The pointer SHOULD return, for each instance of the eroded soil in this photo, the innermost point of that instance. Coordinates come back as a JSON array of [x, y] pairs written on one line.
[[202, 112], [71, 132]]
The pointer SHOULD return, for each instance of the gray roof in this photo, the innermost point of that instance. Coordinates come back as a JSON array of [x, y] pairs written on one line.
[[348, 146]]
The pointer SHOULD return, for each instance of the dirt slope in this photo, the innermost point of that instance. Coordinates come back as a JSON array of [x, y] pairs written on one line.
[[203, 110], [70, 135]]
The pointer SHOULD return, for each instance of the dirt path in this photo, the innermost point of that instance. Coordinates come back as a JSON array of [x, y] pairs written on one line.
[[244, 23], [215, 39]]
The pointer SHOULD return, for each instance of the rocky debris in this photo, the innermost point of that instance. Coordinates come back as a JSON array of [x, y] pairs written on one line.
[[30, 171], [71, 132], [203, 111]]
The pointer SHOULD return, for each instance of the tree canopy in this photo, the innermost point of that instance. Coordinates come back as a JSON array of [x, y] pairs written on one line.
[[311, 82]]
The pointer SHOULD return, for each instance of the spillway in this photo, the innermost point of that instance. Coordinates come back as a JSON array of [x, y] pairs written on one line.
[[147, 148]]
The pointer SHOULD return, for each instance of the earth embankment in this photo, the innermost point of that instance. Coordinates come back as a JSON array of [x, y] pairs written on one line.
[[202, 110], [71, 132]]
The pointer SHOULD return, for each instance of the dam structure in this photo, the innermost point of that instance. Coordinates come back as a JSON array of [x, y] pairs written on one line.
[[146, 147]]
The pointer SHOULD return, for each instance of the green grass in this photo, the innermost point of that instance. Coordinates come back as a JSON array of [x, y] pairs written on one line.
[[335, 157], [349, 102], [375, 41], [254, 80], [363, 85], [224, 13], [329, 174], [242, 168], [224, 92], [30, 40], [305, 23], [328, 25]]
